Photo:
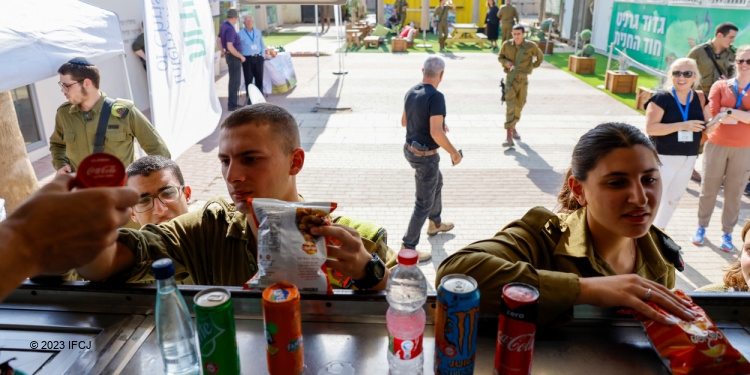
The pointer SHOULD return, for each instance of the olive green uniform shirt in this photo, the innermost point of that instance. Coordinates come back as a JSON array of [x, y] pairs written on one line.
[[550, 252], [442, 15], [509, 53], [214, 246], [73, 138], [508, 14], [706, 67]]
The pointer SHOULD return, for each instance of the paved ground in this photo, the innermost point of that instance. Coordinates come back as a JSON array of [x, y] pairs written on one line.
[[354, 156]]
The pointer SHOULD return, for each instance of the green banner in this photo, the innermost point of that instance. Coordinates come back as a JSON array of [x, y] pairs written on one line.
[[656, 35]]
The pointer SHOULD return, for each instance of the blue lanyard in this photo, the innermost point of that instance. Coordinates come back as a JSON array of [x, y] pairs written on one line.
[[683, 109], [251, 36], [737, 94]]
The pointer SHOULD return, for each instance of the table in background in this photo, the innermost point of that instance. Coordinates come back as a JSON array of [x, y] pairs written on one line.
[[466, 33]]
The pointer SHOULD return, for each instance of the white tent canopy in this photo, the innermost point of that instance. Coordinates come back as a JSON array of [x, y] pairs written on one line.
[[37, 36]]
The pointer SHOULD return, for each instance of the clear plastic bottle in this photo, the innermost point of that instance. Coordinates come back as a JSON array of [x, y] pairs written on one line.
[[406, 292], [174, 327]]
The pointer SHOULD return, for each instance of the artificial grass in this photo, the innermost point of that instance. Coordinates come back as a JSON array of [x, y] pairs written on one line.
[[560, 60], [282, 38], [431, 39]]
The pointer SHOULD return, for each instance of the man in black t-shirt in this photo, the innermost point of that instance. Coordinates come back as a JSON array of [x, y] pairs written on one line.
[[424, 119]]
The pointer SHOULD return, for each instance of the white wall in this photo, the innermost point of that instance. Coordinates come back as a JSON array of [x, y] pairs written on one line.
[[600, 24], [291, 14]]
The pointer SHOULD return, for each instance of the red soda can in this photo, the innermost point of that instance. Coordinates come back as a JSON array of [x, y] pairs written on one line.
[[516, 329], [283, 327], [100, 170]]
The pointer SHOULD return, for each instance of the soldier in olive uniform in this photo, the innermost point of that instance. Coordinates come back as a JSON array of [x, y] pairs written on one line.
[[719, 50], [400, 7], [78, 118], [508, 16], [441, 12], [516, 81]]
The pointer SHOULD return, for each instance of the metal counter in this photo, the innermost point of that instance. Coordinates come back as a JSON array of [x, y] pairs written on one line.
[[99, 329]]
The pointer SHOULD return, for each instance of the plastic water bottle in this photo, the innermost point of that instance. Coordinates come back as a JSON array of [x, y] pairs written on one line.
[[406, 292], [174, 327]]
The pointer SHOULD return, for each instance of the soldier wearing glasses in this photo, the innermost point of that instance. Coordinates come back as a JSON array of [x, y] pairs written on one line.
[[162, 190], [77, 121]]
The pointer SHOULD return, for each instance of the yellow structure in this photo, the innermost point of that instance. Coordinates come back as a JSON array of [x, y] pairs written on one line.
[[463, 11]]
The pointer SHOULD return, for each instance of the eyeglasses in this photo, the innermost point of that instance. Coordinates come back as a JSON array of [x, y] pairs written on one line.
[[168, 195], [67, 87], [743, 61], [677, 73]]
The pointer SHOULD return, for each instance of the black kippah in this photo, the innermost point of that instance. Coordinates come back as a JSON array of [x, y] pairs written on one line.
[[80, 61]]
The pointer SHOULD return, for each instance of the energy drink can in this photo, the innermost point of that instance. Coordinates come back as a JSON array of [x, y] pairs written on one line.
[[456, 322], [516, 329], [217, 336], [283, 326]]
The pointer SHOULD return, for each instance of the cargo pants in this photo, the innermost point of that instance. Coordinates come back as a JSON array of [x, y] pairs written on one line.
[[506, 30], [515, 99], [442, 33]]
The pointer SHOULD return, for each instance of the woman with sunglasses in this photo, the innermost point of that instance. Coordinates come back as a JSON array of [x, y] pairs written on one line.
[[726, 155], [675, 120]]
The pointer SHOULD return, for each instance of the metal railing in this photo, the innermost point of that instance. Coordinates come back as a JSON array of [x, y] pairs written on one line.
[[632, 62]]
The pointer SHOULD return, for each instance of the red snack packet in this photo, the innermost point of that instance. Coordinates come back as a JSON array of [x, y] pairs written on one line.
[[697, 347]]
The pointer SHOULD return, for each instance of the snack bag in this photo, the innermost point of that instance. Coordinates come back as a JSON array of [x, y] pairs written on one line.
[[696, 347], [287, 251]]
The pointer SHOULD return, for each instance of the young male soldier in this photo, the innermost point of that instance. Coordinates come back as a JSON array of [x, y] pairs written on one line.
[[424, 119], [78, 131], [162, 190], [260, 156], [519, 58], [508, 16], [715, 60], [441, 12]]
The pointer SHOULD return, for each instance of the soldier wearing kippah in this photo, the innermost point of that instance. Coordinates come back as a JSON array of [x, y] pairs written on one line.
[[78, 121]]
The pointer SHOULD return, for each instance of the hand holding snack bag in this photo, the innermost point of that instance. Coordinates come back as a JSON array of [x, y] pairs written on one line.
[[287, 251], [696, 347]]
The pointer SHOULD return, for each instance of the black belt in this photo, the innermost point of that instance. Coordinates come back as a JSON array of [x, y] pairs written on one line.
[[418, 152], [255, 55]]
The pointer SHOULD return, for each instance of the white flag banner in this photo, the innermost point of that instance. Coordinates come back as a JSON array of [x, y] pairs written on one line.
[[180, 45]]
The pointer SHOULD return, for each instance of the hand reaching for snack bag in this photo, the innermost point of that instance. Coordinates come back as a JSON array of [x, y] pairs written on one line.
[[346, 253], [633, 291]]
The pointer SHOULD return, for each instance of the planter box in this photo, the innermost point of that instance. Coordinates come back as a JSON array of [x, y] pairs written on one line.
[[581, 65], [621, 83], [547, 47], [642, 96]]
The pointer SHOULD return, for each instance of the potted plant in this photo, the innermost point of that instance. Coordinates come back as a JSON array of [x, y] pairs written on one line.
[[621, 81], [583, 62], [545, 45]]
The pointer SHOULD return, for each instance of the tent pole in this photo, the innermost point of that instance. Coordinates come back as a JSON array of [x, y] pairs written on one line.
[[317, 50], [337, 19], [127, 77]]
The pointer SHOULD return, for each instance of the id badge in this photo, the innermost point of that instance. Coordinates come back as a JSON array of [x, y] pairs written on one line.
[[684, 136], [729, 122], [254, 47]]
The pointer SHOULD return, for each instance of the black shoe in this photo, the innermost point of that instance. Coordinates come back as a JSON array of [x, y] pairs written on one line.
[[747, 190]]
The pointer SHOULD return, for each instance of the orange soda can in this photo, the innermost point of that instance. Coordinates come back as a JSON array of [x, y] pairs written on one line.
[[100, 170], [282, 322]]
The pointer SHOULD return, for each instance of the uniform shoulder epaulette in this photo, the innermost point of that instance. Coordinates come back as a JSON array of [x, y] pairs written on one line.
[[121, 107], [733, 49], [64, 105]]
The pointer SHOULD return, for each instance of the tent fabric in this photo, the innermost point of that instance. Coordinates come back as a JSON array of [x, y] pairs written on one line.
[[37, 36]]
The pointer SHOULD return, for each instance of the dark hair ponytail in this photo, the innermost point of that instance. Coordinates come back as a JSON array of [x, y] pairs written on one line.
[[592, 147]]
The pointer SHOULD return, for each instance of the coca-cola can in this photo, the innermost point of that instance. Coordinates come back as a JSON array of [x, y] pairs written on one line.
[[100, 170], [456, 320], [516, 329]]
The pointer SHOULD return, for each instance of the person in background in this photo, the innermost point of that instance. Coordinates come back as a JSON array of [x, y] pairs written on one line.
[[726, 155], [254, 52], [424, 119], [441, 12], [528, 57], [715, 60], [232, 50], [676, 119], [77, 121], [508, 16], [600, 249], [491, 24], [738, 272], [400, 8], [163, 193], [57, 229], [139, 47]]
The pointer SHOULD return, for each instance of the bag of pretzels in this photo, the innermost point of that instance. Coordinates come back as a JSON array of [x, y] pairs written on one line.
[[287, 251]]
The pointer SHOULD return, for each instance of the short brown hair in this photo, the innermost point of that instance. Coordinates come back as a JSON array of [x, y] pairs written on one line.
[[80, 69], [281, 122], [724, 28]]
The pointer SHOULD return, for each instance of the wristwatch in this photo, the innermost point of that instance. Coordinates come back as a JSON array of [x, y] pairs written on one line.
[[374, 273]]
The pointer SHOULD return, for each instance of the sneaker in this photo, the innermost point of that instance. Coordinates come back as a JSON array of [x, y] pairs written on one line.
[[432, 229], [422, 255], [726, 242], [698, 236]]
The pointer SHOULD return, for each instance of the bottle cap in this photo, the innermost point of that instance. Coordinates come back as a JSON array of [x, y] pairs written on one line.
[[163, 268], [100, 170], [408, 257]]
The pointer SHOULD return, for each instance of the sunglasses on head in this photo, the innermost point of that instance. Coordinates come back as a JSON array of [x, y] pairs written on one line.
[[678, 73], [743, 61]]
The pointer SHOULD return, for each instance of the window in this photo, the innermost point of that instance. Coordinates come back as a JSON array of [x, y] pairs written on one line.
[[24, 104]]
